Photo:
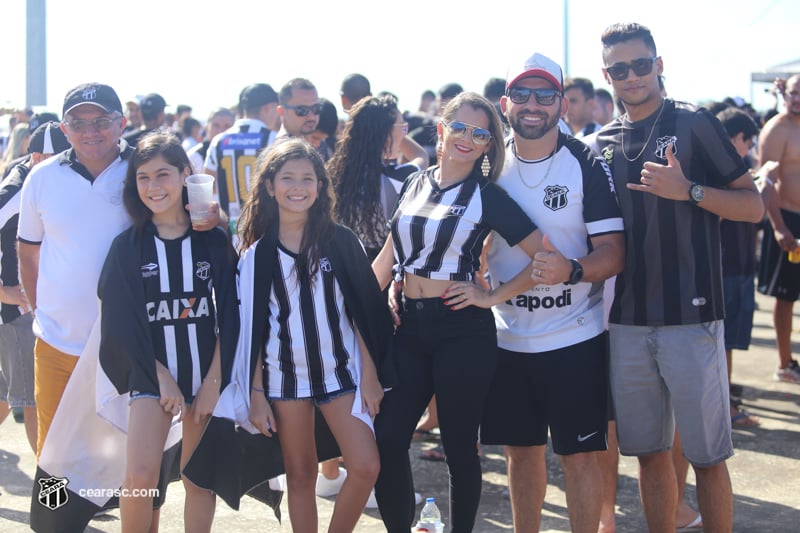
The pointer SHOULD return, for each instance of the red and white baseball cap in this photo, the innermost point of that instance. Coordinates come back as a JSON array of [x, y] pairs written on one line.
[[536, 66]]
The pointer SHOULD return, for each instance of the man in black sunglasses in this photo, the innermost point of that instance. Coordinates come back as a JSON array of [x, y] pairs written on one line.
[[299, 108], [551, 371], [676, 174]]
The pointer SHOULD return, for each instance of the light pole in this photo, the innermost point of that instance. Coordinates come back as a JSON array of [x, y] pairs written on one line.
[[36, 54]]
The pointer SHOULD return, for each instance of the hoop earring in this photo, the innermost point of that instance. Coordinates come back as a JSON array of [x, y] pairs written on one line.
[[486, 166]]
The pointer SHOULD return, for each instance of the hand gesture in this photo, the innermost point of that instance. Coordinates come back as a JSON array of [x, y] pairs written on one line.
[[550, 266], [171, 396], [260, 414], [205, 400], [666, 181], [211, 221], [462, 294], [395, 301], [15, 295], [371, 394]]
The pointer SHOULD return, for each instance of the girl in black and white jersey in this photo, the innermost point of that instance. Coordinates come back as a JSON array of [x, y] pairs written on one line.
[[316, 329], [163, 290], [447, 342]]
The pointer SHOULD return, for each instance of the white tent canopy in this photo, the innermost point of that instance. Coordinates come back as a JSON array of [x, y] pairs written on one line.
[[784, 70]]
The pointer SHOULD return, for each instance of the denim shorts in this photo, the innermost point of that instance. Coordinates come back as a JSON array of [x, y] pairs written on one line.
[[16, 362], [668, 376], [318, 399], [740, 304]]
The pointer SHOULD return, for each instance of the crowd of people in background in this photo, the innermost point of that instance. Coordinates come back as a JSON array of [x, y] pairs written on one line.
[[517, 237]]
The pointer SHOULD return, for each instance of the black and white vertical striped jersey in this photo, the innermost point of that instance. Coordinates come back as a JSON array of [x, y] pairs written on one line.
[[311, 348], [672, 273], [439, 233], [232, 155], [179, 301]]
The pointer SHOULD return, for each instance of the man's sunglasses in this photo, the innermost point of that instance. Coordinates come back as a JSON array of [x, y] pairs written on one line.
[[640, 67], [545, 97], [458, 130], [100, 124], [303, 110]]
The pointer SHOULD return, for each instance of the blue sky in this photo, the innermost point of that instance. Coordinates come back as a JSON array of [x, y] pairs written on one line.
[[202, 55]]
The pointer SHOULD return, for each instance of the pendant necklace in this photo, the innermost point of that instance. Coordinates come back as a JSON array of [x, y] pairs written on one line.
[[552, 157], [644, 146]]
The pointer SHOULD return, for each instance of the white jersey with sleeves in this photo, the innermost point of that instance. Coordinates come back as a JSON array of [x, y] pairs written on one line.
[[575, 201], [311, 349], [75, 219], [439, 233]]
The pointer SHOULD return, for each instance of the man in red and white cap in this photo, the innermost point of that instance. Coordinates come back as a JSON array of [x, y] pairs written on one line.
[[551, 369]]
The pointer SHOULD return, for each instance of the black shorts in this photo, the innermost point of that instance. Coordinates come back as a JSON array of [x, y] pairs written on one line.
[[776, 275], [565, 390]]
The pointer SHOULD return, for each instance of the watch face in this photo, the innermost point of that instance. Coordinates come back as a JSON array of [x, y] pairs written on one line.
[[698, 193]]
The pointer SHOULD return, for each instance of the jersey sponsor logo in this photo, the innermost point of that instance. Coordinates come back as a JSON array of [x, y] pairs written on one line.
[[608, 154], [532, 303], [149, 270], [555, 197], [178, 309], [663, 142], [610, 177], [457, 210], [325, 264], [53, 492], [203, 270], [243, 141]]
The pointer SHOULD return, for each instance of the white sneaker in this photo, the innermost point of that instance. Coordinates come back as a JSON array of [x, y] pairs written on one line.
[[372, 503], [790, 374], [330, 487]]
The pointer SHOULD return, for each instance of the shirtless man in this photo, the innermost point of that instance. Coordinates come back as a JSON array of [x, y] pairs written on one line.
[[780, 141]]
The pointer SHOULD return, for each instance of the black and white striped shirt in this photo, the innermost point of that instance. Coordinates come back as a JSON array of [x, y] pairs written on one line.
[[312, 345], [180, 307], [672, 273], [439, 233]]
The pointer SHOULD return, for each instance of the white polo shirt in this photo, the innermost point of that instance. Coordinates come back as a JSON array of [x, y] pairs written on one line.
[[75, 220]]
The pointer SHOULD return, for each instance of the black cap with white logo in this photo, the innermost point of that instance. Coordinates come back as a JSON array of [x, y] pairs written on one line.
[[95, 94]]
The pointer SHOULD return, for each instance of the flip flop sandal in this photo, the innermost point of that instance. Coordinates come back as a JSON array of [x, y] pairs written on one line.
[[434, 454]]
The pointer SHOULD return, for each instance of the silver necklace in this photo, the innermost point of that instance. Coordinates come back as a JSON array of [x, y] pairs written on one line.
[[644, 146], [549, 166]]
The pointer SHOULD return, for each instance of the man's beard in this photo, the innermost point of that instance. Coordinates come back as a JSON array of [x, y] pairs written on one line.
[[533, 132]]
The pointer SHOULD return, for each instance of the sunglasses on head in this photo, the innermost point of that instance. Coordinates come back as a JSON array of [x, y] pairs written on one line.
[[458, 130], [520, 95], [303, 110], [641, 67]]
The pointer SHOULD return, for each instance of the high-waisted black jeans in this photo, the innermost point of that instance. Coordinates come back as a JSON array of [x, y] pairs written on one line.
[[453, 355]]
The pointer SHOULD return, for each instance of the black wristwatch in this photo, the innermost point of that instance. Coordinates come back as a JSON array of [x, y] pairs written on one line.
[[576, 275], [696, 193]]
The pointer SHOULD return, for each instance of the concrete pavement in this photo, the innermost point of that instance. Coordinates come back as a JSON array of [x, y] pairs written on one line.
[[765, 469]]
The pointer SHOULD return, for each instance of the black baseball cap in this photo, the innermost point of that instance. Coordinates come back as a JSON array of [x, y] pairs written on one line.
[[151, 105], [40, 118], [95, 94], [255, 96], [48, 139]]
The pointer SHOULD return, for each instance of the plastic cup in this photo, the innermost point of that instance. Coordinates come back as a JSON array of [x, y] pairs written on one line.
[[794, 255], [201, 193]]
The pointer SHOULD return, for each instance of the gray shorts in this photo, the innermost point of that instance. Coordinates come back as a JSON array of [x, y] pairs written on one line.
[[16, 362], [667, 375]]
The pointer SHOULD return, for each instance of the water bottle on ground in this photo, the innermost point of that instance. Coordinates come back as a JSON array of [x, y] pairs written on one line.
[[430, 519]]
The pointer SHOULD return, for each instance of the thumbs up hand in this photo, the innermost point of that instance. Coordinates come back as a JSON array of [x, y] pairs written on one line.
[[550, 266], [666, 181]]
